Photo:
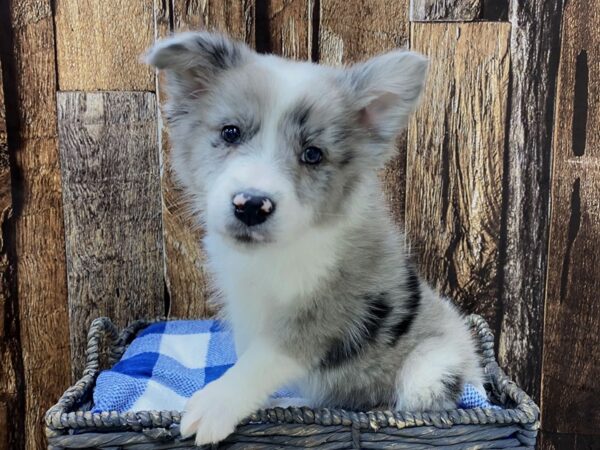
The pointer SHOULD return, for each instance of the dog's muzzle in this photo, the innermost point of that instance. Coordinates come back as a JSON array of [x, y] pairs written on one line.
[[252, 209]]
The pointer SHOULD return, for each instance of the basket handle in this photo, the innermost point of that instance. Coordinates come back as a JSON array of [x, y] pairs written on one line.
[[100, 329]]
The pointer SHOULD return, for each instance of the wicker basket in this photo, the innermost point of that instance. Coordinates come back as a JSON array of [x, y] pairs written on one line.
[[71, 425]]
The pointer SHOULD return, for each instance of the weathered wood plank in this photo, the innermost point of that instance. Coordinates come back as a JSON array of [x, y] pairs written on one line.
[[42, 367], [11, 404], [99, 43], [351, 31], [560, 441], [285, 28], [454, 165], [111, 191], [534, 60], [187, 280], [571, 360], [3, 135], [234, 17], [4, 425], [5, 208], [7, 375], [457, 10], [445, 10], [354, 30]]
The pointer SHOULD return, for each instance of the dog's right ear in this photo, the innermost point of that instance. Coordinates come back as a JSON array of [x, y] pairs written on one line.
[[194, 60]]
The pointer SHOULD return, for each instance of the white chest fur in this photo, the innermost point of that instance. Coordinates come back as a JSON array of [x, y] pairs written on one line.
[[258, 282]]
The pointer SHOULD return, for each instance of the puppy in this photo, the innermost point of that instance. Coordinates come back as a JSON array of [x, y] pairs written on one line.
[[280, 159]]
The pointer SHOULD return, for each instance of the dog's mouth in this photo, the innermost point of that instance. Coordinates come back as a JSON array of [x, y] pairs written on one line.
[[246, 237]]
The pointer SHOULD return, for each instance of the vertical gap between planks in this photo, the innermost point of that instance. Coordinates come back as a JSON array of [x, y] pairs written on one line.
[[262, 27], [55, 47], [168, 8], [407, 244], [315, 21]]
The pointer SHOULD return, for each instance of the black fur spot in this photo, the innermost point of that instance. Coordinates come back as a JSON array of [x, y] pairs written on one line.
[[413, 289], [340, 350], [223, 55], [377, 312], [453, 385], [351, 345]]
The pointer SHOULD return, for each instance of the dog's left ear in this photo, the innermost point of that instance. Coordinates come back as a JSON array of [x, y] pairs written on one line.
[[386, 89], [193, 61]]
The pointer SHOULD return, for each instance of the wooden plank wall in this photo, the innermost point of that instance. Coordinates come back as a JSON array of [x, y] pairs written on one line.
[[9, 397], [112, 214], [534, 50], [40, 343], [571, 356], [112, 211], [496, 180]]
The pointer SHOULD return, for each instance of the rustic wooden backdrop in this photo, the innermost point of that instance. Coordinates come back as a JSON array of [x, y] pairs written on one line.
[[497, 180]]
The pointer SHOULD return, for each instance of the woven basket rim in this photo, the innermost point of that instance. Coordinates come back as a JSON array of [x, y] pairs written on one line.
[[63, 417]]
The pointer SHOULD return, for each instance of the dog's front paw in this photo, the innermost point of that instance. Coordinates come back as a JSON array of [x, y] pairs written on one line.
[[211, 414]]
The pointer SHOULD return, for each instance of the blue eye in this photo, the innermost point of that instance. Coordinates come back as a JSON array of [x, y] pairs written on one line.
[[231, 134], [311, 155]]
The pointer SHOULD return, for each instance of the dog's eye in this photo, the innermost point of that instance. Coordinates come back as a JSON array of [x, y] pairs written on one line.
[[231, 134], [311, 155]]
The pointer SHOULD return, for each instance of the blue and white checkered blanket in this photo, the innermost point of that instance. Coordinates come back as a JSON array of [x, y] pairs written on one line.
[[168, 361]]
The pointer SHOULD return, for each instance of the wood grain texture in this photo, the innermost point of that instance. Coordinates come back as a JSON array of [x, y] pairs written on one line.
[[99, 44], [454, 165], [571, 363], [42, 366], [10, 399], [567, 441], [5, 213], [3, 135], [285, 27], [534, 60], [187, 280], [234, 17], [5, 203], [111, 191], [457, 10], [4, 424], [445, 10], [7, 376], [343, 39]]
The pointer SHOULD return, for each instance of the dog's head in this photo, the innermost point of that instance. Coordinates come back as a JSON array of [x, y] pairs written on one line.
[[269, 147]]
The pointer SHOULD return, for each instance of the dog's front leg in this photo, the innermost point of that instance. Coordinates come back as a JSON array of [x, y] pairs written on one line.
[[213, 412]]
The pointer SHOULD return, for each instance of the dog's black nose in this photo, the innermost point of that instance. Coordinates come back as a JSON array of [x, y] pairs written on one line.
[[252, 209]]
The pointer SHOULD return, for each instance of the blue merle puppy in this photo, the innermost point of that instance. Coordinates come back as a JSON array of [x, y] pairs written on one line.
[[280, 160]]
